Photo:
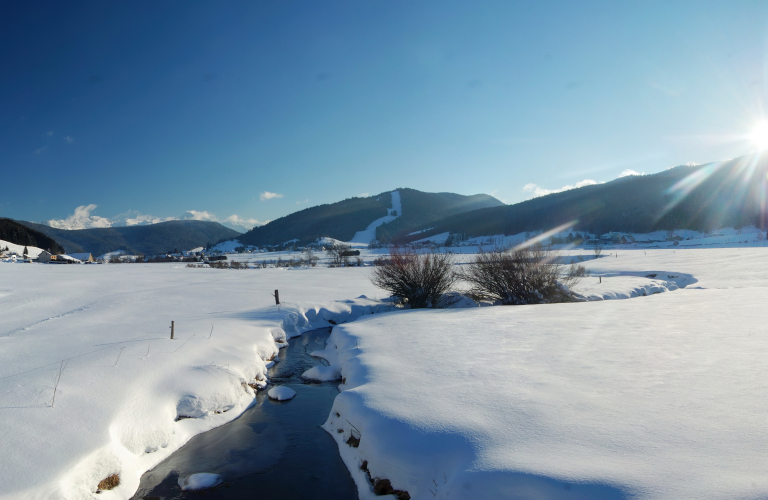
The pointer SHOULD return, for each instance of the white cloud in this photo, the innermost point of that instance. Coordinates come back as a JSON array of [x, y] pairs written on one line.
[[629, 171], [266, 195], [364, 195], [81, 219], [540, 191], [69, 139], [300, 202], [50, 133], [144, 220], [236, 220], [195, 215], [41, 150]]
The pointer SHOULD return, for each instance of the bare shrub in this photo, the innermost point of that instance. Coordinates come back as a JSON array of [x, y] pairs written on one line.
[[109, 482], [309, 257], [598, 250], [532, 275], [418, 279]]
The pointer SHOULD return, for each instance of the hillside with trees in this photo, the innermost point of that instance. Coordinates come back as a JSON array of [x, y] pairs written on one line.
[[341, 220], [151, 239], [421, 209], [13, 232], [701, 197]]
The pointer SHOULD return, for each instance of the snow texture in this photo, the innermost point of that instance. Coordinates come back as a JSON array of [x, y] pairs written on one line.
[[32, 252], [322, 373], [200, 481], [281, 393], [657, 397], [129, 396]]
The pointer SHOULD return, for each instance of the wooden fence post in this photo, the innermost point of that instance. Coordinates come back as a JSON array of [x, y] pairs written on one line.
[[171, 330], [277, 298]]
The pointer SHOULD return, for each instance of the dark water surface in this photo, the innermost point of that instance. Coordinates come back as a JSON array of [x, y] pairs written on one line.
[[275, 450]]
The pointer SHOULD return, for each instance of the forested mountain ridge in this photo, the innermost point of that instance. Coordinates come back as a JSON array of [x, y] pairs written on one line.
[[701, 197], [421, 209], [19, 234], [341, 220], [151, 239]]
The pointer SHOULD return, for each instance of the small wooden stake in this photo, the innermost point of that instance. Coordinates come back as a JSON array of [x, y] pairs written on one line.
[[277, 298], [601, 280], [171, 330]]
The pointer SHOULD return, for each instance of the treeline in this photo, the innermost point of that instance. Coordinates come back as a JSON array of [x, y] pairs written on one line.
[[420, 210], [151, 239], [343, 219], [701, 198], [339, 220], [13, 232]]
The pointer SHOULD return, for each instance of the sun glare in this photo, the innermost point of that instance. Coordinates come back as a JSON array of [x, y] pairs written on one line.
[[759, 135]]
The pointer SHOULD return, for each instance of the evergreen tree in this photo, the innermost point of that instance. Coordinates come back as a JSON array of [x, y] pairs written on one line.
[[26, 252]]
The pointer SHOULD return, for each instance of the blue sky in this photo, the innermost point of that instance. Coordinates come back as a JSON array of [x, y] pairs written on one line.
[[154, 110]]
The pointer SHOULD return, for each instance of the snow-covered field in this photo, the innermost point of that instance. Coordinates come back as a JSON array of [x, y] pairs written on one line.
[[657, 397], [662, 396], [125, 382]]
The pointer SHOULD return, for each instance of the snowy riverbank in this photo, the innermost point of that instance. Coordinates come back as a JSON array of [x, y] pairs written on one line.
[[126, 389], [663, 393], [656, 397]]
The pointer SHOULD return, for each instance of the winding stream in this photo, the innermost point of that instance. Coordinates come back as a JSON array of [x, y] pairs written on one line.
[[274, 450]]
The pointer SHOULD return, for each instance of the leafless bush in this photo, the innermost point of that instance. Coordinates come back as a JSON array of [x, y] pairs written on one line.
[[598, 250], [418, 279], [532, 275], [309, 257], [381, 261]]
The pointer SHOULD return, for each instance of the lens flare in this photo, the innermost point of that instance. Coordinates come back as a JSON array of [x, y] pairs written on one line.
[[759, 135]]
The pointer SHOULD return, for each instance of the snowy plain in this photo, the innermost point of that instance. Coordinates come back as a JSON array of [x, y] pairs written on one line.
[[128, 395], [656, 397], [660, 396]]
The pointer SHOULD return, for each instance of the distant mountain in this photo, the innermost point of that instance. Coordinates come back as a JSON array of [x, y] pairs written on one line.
[[13, 232], [343, 219], [420, 210], [701, 197], [151, 239]]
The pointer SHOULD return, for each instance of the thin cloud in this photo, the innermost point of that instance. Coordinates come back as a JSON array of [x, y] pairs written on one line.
[[203, 215], [81, 219], [41, 150], [540, 191], [364, 195], [627, 172], [50, 133], [266, 195], [145, 220], [245, 223], [300, 202], [69, 139]]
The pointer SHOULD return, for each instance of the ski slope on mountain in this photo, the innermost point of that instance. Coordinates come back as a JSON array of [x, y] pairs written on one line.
[[367, 235]]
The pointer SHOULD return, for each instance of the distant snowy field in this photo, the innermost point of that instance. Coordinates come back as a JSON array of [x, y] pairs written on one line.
[[662, 396]]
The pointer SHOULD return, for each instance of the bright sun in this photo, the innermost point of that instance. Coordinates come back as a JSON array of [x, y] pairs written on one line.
[[759, 135]]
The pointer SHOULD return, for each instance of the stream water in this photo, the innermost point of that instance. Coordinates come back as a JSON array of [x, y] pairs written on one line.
[[274, 450]]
